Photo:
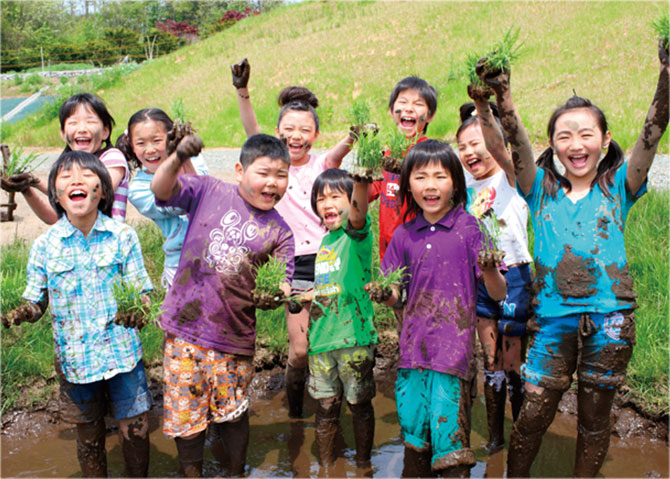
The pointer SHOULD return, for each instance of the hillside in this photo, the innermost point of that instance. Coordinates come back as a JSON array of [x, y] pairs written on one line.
[[605, 51]]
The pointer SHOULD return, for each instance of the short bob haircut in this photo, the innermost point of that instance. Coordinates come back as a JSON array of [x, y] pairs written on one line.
[[426, 92], [334, 179], [468, 114], [422, 154], [85, 161], [263, 145], [69, 106]]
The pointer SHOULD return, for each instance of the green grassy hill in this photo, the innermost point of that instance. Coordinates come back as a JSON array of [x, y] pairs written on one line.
[[605, 51]]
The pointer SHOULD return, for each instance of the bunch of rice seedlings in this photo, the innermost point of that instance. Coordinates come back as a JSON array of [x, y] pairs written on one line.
[[504, 52], [491, 227], [661, 26], [21, 162], [129, 303], [398, 144], [391, 278], [270, 276], [470, 68], [359, 113], [369, 156]]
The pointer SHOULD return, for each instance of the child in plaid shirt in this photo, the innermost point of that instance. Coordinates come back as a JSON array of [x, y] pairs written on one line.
[[73, 267]]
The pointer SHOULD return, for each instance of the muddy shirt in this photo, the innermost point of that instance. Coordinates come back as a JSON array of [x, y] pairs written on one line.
[[497, 194], [342, 268], [78, 275], [580, 258], [210, 302], [296, 205], [441, 259], [390, 211]]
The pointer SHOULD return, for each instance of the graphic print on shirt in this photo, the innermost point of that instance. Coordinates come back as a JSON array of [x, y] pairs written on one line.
[[326, 263], [483, 202], [389, 196], [227, 249]]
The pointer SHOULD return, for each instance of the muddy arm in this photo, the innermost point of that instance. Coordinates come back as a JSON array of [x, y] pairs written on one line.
[[241, 72], [495, 283], [654, 126], [522, 152], [165, 183], [40, 205], [336, 155], [493, 138], [359, 205]]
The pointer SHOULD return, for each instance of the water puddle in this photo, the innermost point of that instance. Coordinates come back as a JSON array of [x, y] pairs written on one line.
[[280, 447]]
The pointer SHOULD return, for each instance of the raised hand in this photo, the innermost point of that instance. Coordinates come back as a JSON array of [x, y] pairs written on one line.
[[240, 73], [18, 183], [189, 146], [498, 80]]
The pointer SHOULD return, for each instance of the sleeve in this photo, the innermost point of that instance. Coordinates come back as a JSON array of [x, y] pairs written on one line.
[[200, 165], [394, 257], [361, 234], [284, 250], [535, 194], [36, 286], [375, 190], [134, 271], [192, 189], [143, 199], [113, 158]]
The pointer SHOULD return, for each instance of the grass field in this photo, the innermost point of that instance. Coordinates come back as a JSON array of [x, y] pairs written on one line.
[[348, 50]]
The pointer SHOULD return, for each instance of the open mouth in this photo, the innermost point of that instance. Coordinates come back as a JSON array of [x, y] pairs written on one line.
[[407, 122], [270, 197], [578, 161], [474, 163], [152, 161], [77, 195], [330, 218], [82, 142], [431, 200]]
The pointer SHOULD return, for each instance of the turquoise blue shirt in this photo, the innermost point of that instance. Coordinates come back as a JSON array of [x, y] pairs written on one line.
[[172, 222], [580, 257], [78, 275]]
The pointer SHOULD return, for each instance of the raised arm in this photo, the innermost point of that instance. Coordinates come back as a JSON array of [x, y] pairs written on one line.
[[165, 183], [241, 73], [654, 126], [522, 153], [359, 205], [335, 156]]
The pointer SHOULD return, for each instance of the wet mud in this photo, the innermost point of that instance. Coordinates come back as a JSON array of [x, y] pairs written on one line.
[[36, 443], [575, 276]]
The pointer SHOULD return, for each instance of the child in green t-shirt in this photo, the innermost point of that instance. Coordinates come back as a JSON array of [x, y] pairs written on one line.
[[342, 335]]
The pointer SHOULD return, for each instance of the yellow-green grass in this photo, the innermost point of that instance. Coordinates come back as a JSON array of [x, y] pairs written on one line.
[[347, 50]]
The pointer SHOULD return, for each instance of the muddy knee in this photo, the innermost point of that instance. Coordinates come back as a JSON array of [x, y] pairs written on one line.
[[538, 411]]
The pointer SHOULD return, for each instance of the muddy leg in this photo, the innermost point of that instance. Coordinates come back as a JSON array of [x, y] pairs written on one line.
[[91, 448], [134, 434], [295, 390], [593, 429], [496, 396], [233, 440], [190, 452], [363, 415], [327, 420], [537, 413], [515, 390], [417, 463]]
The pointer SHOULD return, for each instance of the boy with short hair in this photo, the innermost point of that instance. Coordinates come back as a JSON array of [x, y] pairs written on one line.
[[209, 314]]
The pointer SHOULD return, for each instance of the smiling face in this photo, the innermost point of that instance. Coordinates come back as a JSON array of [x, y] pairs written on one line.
[[333, 206], [410, 113], [263, 183], [79, 192], [84, 130], [578, 141], [432, 189], [298, 128], [473, 154], [149, 143]]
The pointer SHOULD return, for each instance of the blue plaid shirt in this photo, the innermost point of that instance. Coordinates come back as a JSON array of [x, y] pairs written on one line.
[[79, 273]]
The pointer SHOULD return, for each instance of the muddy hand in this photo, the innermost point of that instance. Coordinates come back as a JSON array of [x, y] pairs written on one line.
[[663, 52], [189, 146], [294, 307], [377, 293], [240, 73], [489, 259], [479, 93], [266, 301], [18, 183], [498, 80], [25, 313], [363, 129], [130, 320]]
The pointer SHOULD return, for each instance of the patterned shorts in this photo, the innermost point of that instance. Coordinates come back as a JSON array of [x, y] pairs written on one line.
[[202, 385]]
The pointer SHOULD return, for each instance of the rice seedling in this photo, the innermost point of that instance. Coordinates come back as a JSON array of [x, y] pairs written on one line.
[[269, 277], [368, 158], [359, 113], [392, 278], [397, 145], [661, 26], [491, 227], [504, 52], [471, 69], [21, 162], [131, 311]]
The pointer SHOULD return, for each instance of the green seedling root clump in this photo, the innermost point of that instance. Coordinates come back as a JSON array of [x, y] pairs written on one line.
[[269, 277], [368, 158], [21, 162], [397, 146], [130, 309], [392, 278], [661, 26]]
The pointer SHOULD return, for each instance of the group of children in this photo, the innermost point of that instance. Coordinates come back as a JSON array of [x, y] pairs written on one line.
[[302, 209]]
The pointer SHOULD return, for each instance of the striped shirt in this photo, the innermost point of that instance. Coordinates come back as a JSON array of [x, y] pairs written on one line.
[[113, 158], [78, 275]]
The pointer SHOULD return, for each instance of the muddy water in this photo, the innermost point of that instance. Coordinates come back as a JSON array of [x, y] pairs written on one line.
[[280, 447]]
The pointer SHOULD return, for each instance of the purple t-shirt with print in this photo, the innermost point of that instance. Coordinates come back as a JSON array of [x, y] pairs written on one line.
[[438, 329], [210, 303]]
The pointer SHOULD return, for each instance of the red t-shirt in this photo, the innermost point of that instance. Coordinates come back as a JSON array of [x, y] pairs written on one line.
[[390, 210]]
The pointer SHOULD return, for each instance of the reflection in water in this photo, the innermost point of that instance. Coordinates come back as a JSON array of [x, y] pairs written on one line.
[[283, 447]]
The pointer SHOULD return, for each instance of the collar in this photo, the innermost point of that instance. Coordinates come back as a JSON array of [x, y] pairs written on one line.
[[63, 228], [447, 221]]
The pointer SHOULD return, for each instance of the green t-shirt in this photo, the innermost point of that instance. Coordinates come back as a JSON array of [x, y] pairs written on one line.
[[344, 315]]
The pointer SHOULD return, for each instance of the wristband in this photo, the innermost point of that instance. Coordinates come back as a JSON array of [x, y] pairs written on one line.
[[246, 97]]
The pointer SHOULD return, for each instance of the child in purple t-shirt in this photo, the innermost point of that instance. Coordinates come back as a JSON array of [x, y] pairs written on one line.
[[445, 256], [209, 313]]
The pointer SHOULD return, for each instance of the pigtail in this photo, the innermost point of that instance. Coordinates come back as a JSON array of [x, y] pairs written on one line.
[[607, 168], [123, 144]]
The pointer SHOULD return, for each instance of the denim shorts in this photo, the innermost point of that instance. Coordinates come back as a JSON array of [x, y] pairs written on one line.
[[513, 312], [597, 345], [434, 414], [346, 370], [124, 396]]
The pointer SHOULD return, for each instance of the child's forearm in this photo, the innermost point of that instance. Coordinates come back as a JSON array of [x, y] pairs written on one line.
[[40, 205], [27, 312], [655, 125], [165, 182], [247, 113], [493, 138], [495, 283], [336, 154], [359, 205]]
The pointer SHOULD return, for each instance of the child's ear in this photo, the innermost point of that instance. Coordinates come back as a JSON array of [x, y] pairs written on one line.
[[607, 137], [239, 172], [106, 134], [62, 135]]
